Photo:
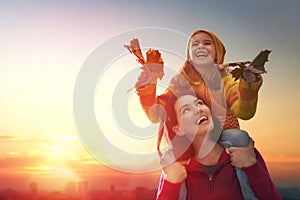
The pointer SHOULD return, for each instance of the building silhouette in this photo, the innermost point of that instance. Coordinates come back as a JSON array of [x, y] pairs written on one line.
[[33, 191], [70, 188], [82, 189]]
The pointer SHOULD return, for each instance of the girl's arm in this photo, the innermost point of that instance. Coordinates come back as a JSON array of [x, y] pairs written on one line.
[[167, 190], [242, 96], [147, 95]]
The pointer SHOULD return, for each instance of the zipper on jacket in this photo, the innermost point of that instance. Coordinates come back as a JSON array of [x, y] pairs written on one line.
[[210, 186], [210, 179]]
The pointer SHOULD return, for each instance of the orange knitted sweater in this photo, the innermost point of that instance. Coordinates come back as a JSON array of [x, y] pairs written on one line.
[[241, 97]]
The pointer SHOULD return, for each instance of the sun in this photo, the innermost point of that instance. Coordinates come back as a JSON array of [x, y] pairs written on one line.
[[61, 159]]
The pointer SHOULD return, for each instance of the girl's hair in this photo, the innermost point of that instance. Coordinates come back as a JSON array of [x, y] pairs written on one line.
[[170, 120]]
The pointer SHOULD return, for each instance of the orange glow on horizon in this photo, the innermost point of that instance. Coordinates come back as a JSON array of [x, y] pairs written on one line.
[[65, 160]]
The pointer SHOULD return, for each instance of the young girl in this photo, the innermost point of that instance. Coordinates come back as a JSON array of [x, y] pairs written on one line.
[[212, 176]]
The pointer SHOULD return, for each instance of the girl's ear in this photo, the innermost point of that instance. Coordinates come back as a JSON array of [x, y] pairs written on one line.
[[177, 130]]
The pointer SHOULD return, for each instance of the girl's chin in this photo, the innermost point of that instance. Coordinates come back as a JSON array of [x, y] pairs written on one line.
[[206, 127], [203, 130], [206, 60]]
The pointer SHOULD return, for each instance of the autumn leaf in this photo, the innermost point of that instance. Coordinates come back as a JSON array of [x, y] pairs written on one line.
[[260, 60], [154, 62], [135, 49], [256, 66], [237, 73]]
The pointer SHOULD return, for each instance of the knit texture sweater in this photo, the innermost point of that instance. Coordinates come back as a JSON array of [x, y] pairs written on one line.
[[240, 96]]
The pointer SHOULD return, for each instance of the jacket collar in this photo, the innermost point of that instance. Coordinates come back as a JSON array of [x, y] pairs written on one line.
[[195, 166]]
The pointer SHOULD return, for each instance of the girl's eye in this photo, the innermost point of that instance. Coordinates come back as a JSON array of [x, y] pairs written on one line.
[[194, 44], [208, 43], [200, 103], [185, 110]]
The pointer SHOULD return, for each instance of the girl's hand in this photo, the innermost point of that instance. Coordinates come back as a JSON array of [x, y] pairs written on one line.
[[223, 66], [145, 78], [242, 156], [151, 72], [248, 75], [176, 172]]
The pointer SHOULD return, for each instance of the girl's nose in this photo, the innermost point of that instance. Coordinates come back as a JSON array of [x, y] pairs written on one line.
[[197, 110], [200, 46]]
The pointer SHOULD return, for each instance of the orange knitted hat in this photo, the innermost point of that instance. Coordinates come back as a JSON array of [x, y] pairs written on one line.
[[220, 48]]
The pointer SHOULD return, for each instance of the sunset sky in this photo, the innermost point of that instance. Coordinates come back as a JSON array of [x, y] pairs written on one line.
[[48, 47]]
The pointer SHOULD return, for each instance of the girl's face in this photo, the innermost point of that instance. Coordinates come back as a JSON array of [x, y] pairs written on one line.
[[202, 49], [193, 116]]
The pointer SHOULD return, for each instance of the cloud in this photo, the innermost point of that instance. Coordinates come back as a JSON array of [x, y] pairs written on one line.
[[13, 163], [282, 159], [9, 138], [14, 138]]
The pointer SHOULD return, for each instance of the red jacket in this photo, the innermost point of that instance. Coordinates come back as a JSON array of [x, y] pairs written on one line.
[[223, 184]]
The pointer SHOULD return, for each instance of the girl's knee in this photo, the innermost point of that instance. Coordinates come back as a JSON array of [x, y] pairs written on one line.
[[234, 138]]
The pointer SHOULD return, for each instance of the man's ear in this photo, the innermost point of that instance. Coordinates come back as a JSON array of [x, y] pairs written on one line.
[[177, 130]]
